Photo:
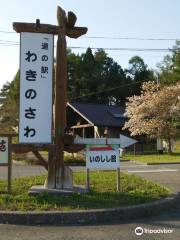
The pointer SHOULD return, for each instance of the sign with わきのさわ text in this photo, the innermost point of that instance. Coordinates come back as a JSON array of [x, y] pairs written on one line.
[[36, 71]]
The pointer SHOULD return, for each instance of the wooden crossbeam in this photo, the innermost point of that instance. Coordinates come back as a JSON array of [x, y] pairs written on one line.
[[41, 159], [33, 27], [8, 135], [24, 148], [97, 141], [76, 32], [82, 126]]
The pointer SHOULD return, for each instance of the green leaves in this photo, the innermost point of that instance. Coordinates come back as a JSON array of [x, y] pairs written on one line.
[[170, 67]]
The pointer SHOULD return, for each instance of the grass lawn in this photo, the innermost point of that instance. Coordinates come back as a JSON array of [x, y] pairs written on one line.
[[134, 190], [153, 158]]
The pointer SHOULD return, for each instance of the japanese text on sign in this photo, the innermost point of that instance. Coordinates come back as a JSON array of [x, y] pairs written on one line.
[[102, 159], [36, 88], [3, 150]]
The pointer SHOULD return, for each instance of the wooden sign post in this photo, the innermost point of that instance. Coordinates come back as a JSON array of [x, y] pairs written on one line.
[[5, 156], [66, 27]]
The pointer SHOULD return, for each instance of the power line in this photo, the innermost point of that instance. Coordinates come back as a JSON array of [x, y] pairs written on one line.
[[115, 38], [129, 54], [107, 49], [133, 38], [15, 43], [107, 90], [127, 49]]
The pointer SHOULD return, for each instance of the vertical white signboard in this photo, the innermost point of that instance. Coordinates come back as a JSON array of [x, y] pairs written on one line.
[[36, 72], [4, 150]]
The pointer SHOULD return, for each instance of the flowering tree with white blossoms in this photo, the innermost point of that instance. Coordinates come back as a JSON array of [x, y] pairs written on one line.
[[155, 113]]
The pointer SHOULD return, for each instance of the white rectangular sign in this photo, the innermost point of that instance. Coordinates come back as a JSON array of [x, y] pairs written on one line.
[[4, 150], [36, 72], [104, 157]]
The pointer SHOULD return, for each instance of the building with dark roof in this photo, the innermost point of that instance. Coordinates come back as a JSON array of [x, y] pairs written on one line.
[[95, 120]]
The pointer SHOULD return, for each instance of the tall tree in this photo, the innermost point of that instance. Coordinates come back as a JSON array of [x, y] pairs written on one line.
[[138, 71], [170, 67], [9, 108], [99, 79]]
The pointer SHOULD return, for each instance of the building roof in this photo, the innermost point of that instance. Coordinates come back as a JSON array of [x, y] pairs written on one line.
[[99, 114]]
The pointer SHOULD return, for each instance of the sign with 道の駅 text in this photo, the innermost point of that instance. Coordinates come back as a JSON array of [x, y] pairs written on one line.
[[36, 71], [4, 152], [102, 157]]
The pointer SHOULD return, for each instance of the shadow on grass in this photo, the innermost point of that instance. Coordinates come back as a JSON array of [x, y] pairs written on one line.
[[176, 154], [93, 200]]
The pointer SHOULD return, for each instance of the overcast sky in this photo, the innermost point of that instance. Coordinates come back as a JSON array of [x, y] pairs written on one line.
[[157, 19]]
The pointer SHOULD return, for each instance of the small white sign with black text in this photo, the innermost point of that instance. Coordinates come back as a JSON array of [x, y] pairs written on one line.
[[102, 157]]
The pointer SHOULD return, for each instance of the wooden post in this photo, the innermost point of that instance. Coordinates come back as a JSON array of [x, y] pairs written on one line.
[[87, 180], [134, 149], [60, 96], [118, 179], [51, 169], [9, 164], [66, 27], [83, 129]]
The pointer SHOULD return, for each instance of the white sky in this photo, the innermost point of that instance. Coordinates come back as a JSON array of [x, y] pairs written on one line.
[[114, 18]]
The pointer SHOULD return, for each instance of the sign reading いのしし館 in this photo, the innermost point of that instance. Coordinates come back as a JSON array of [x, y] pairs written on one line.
[[4, 152], [102, 157], [36, 72]]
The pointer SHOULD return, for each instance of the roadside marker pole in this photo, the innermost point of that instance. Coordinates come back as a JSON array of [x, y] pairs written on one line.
[[9, 164], [87, 179], [118, 179]]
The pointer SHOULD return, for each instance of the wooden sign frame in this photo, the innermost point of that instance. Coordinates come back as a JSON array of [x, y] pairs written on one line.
[[9, 164]]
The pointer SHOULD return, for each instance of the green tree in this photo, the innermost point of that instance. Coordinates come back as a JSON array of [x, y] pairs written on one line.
[[99, 79], [9, 109], [169, 69], [138, 71]]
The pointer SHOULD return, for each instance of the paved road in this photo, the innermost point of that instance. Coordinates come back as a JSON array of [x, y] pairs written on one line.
[[167, 175], [19, 170], [119, 231]]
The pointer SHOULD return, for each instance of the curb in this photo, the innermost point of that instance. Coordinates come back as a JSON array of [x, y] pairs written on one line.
[[162, 163], [84, 217]]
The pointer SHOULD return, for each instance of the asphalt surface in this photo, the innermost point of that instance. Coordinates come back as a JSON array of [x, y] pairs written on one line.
[[168, 223]]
